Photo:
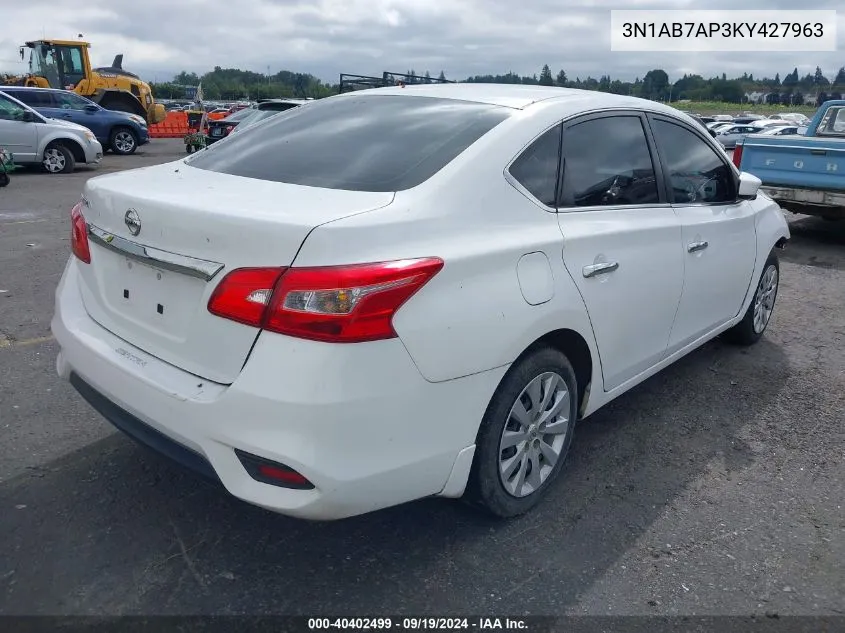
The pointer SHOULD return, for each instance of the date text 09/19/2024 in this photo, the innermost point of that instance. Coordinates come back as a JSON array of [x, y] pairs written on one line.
[[418, 624]]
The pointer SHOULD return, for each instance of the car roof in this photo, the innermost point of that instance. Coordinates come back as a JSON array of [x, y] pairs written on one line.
[[518, 96]]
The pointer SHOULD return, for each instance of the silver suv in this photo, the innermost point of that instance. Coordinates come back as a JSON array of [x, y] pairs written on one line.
[[32, 139]]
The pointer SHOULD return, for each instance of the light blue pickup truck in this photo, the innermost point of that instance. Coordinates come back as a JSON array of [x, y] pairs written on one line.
[[803, 173]]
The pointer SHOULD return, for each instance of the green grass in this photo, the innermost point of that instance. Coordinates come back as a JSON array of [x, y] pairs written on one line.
[[715, 107]]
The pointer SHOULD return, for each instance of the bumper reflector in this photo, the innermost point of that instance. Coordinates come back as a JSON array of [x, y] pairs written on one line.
[[273, 473]]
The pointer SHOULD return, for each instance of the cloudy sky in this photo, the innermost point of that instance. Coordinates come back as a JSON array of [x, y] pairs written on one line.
[[326, 37]]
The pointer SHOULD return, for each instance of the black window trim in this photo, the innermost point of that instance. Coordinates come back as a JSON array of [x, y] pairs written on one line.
[[657, 165], [512, 180], [711, 143]]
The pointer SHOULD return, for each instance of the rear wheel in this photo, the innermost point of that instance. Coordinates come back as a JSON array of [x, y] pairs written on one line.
[[756, 319], [58, 159], [123, 141], [525, 434]]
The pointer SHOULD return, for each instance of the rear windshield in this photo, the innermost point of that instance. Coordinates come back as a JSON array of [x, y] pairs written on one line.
[[361, 143]]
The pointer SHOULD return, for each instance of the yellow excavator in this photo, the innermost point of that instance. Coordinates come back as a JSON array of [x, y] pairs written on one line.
[[65, 64]]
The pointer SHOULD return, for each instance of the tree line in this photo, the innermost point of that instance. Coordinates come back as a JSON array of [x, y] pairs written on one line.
[[232, 83]]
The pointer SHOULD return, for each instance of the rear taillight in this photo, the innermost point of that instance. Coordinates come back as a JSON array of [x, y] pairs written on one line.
[[228, 129], [737, 157], [79, 234], [337, 304], [243, 294]]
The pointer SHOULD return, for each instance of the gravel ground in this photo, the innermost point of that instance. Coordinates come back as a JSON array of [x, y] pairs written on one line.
[[714, 488]]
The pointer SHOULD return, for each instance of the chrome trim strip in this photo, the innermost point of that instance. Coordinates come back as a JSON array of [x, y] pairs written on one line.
[[805, 147], [200, 268]]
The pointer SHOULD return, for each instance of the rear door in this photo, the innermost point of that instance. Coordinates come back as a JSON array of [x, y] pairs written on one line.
[[621, 240], [719, 243], [42, 100]]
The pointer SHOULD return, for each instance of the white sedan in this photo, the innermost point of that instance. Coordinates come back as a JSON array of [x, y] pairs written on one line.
[[409, 292]]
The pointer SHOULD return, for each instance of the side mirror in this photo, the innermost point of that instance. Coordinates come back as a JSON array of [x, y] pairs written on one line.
[[27, 117], [749, 185], [91, 108]]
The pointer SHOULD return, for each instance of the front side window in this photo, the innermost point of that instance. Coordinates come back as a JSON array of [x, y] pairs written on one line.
[[373, 143], [607, 162], [536, 168], [10, 111], [697, 174]]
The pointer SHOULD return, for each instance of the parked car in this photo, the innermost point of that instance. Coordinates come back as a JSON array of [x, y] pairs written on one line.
[[388, 272], [746, 119], [255, 117], [780, 130], [718, 125], [223, 127], [121, 132], [767, 123], [792, 117], [802, 172], [730, 135], [33, 139]]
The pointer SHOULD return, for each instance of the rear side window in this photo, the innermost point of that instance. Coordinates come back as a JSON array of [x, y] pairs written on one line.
[[361, 143], [537, 167], [35, 98], [607, 162]]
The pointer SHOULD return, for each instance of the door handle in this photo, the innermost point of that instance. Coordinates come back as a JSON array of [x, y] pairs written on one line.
[[599, 269], [692, 247]]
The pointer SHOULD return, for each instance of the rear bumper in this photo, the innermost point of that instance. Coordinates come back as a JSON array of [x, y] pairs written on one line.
[[808, 201], [359, 421]]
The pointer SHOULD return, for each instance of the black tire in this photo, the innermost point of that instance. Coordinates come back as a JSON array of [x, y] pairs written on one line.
[[745, 333], [4, 179], [123, 141], [58, 159], [485, 488]]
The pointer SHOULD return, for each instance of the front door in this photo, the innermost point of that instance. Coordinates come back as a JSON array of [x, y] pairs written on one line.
[[16, 135], [719, 243], [621, 241]]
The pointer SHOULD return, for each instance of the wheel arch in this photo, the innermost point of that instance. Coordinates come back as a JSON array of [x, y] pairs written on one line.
[[72, 145], [575, 347], [109, 98]]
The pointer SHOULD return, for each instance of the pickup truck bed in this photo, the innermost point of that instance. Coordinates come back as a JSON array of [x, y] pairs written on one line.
[[804, 174]]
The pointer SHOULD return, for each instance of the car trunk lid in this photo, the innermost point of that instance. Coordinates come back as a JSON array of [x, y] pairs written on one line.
[[163, 237]]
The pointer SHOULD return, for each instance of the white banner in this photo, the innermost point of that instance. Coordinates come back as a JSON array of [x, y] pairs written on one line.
[[723, 30]]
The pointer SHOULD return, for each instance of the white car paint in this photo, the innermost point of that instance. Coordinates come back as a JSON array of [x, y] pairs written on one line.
[[378, 423]]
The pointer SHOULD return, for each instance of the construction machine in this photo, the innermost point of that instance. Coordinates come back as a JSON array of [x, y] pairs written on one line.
[[65, 64]]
